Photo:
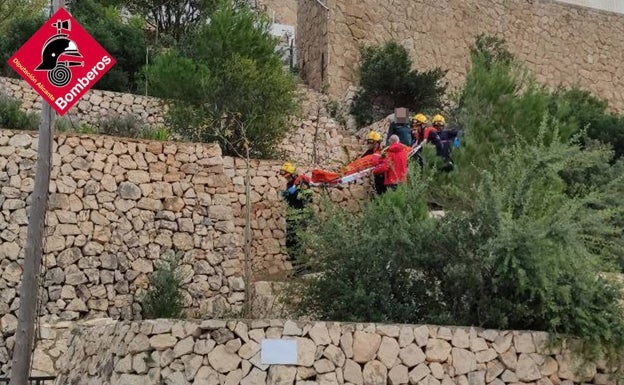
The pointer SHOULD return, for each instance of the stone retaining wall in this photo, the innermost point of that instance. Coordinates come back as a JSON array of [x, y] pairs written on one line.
[[117, 205], [95, 105], [229, 353], [51, 344], [115, 208], [315, 140], [560, 43]]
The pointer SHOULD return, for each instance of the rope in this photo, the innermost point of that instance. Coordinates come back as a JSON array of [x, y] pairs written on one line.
[[322, 5]]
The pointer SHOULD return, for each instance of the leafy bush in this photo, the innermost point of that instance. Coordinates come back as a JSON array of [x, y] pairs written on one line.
[[521, 256], [500, 101], [124, 40], [163, 299], [387, 81], [161, 133], [12, 117], [19, 9], [226, 83], [18, 31], [65, 124], [122, 125], [590, 113]]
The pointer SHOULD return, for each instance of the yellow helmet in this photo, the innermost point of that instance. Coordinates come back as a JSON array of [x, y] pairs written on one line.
[[420, 118], [288, 168], [438, 120], [374, 136]]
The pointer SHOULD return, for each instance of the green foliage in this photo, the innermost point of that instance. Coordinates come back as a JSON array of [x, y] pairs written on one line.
[[161, 133], [523, 255], [388, 81], [65, 124], [501, 100], [172, 19], [122, 125], [125, 41], [15, 33], [226, 83], [12, 117], [11, 10], [590, 113], [163, 299], [367, 262]]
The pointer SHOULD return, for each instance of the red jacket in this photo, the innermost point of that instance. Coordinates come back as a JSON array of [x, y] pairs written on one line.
[[393, 165], [428, 133]]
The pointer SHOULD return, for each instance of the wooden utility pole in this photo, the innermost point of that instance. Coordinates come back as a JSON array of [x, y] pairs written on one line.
[[33, 250]]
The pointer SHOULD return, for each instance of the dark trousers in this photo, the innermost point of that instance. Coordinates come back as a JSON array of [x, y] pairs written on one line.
[[293, 243], [380, 187]]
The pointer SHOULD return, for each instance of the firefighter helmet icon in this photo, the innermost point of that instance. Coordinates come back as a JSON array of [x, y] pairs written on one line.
[[56, 53]]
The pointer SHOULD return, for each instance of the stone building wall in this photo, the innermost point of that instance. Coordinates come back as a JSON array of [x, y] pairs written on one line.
[[229, 353], [285, 11], [95, 105], [560, 43], [312, 42]]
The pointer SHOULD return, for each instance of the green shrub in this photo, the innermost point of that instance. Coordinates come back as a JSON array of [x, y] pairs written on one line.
[[164, 299], [65, 124], [387, 81], [19, 9], [161, 133], [14, 34], [12, 117], [125, 40], [122, 125], [226, 83], [590, 113], [500, 101]]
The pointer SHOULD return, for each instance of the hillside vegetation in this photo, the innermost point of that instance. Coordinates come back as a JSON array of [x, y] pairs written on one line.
[[534, 215]]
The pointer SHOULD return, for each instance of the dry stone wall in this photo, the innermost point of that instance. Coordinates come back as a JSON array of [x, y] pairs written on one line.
[[117, 205], [50, 346], [560, 43], [229, 353], [317, 139], [95, 105], [115, 208]]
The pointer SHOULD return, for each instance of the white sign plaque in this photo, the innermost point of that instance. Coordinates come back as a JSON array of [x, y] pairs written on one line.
[[278, 352]]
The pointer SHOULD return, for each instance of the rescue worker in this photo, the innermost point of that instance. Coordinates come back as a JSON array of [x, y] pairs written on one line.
[[298, 196], [420, 123], [445, 139], [422, 132], [373, 139], [393, 163]]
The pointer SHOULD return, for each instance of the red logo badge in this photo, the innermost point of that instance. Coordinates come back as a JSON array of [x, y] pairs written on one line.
[[61, 61]]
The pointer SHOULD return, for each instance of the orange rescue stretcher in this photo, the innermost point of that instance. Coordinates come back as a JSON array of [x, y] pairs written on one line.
[[352, 171]]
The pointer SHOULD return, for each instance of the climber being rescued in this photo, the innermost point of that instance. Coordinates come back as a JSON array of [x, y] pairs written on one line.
[[299, 198]]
